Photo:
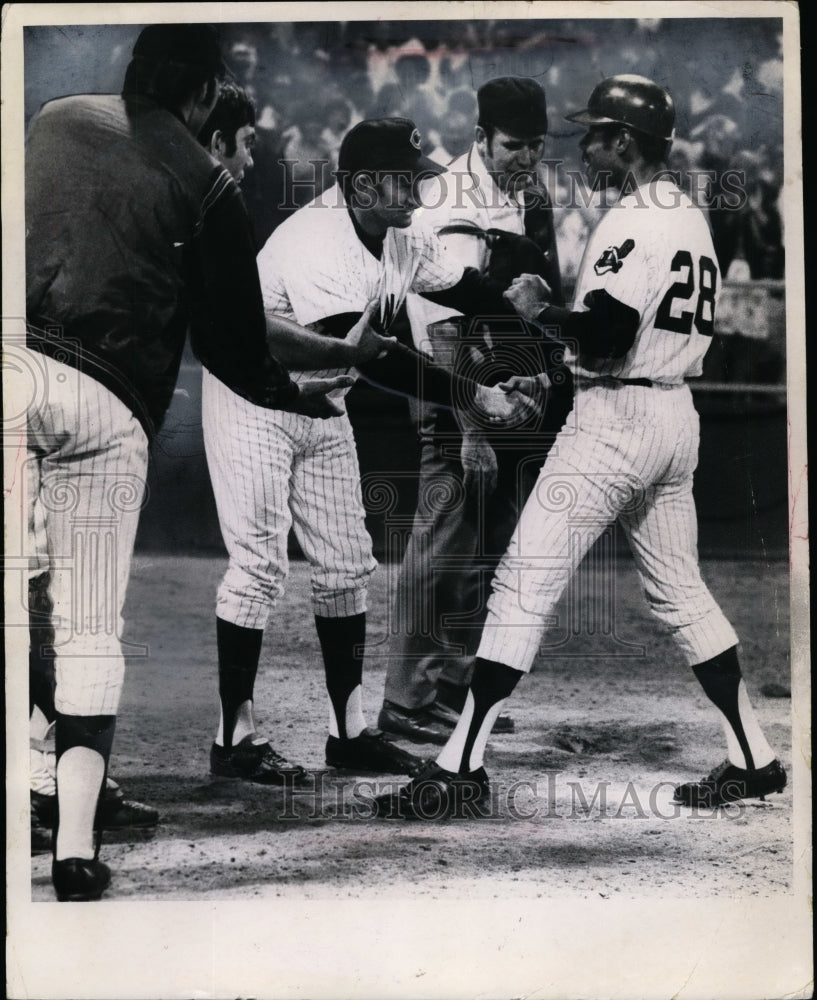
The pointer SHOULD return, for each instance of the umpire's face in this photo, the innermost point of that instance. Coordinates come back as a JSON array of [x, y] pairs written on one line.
[[510, 159]]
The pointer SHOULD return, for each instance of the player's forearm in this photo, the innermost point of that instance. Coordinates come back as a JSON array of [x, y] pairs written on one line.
[[408, 373], [302, 349], [473, 295]]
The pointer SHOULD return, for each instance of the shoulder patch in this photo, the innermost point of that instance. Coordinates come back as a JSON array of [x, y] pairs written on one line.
[[611, 259]]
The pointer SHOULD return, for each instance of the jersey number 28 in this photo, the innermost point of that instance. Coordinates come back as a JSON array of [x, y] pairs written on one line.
[[681, 321]]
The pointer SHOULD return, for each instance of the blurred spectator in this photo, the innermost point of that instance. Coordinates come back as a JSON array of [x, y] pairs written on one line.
[[338, 122], [716, 142], [759, 243], [456, 128], [308, 158], [419, 101]]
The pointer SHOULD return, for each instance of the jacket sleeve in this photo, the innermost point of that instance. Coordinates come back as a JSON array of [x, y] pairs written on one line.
[[228, 328], [405, 371]]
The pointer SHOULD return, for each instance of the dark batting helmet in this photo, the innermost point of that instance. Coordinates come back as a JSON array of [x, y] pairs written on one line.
[[630, 100]]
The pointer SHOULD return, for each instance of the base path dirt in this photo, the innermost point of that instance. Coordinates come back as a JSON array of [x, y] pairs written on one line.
[[608, 721]]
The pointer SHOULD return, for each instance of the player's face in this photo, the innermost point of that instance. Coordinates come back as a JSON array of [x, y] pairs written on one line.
[[241, 160], [395, 202], [601, 162], [510, 159]]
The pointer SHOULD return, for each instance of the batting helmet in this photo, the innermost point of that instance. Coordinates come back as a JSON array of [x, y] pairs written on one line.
[[630, 100]]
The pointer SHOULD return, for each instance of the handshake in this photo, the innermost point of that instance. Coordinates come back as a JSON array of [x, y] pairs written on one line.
[[509, 403]]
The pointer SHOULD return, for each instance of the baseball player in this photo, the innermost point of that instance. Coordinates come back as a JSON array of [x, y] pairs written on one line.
[[350, 250], [132, 230], [493, 186], [641, 323]]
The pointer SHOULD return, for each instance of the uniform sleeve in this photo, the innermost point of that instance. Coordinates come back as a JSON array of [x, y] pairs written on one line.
[[308, 271], [228, 328], [437, 268]]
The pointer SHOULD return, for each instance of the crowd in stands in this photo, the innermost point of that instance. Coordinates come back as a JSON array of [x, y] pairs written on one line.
[[311, 81]]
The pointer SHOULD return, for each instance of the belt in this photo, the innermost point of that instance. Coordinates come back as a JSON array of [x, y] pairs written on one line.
[[611, 382]]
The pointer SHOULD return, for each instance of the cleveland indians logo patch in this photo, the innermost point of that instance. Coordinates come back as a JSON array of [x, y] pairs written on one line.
[[611, 259]]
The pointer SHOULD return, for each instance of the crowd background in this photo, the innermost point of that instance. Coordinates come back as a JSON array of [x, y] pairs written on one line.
[[311, 81]]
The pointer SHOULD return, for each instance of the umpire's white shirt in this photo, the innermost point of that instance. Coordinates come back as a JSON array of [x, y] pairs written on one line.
[[467, 194]]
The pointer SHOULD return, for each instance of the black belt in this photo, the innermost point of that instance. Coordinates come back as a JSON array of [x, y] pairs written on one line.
[[584, 382]]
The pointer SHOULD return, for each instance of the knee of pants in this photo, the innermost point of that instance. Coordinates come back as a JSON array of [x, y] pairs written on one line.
[[341, 594], [246, 598], [88, 685], [679, 609]]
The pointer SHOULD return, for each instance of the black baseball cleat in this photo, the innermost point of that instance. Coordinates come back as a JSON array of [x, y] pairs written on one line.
[[256, 762], [371, 751], [417, 725], [114, 811], [41, 836], [728, 783], [437, 794], [79, 880]]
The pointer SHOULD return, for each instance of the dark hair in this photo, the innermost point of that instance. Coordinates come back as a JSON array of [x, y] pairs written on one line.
[[233, 110], [172, 62]]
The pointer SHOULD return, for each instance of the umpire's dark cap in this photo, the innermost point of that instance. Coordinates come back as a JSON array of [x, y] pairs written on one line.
[[188, 44], [384, 144], [514, 104]]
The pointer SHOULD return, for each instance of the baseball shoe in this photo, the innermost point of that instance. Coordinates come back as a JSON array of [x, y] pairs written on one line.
[[728, 783], [41, 836], [79, 880], [436, 794], [371, 751], [256, 762], [114, 811], [415, 724]]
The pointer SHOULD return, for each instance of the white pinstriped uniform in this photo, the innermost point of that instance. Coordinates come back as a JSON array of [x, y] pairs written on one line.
[[272, 469], [86, 468], [627, 452]]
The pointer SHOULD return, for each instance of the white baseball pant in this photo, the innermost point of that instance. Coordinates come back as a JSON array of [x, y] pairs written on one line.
[[273, 470], [627, 454], [86, 468]]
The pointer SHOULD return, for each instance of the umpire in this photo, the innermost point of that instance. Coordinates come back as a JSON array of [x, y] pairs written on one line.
[[473, 487], [132, 233]]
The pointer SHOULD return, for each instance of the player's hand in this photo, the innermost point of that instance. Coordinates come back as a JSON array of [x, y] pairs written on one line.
[[313, 399], [531, 388], [364, 342], [529, 295], [493, 406], [478, 461]]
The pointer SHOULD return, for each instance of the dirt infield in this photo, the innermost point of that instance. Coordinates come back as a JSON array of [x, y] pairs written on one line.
[[582, 788]]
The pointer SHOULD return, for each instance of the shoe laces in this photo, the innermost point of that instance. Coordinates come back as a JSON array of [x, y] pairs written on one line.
[[278, 760]]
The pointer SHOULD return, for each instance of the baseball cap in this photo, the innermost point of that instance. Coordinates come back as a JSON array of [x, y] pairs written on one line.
[[384, 144], [515, 104], [189, 44]]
